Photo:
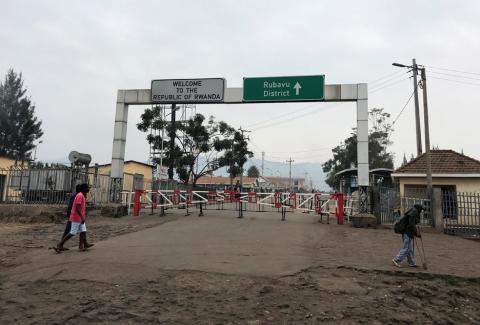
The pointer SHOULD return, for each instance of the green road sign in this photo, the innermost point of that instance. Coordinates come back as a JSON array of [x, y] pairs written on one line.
[[283, 89]]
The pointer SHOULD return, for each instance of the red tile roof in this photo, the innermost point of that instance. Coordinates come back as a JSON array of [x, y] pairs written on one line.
[[222, 180], [443, 162]]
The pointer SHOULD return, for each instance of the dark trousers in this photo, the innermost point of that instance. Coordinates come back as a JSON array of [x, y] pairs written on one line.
[[67, 228]]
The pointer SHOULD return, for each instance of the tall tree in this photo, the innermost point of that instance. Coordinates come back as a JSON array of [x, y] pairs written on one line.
[[236, 156], [19, 127], [345, 155], [200, 146], [253, 172]]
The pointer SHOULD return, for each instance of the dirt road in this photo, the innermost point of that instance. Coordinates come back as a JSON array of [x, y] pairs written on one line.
[[222, 270]]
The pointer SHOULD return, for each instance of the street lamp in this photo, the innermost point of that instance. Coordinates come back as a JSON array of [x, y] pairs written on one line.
[[428, 161]]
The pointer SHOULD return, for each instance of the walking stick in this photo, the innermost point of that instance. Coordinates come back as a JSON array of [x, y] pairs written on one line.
[[424, 259]]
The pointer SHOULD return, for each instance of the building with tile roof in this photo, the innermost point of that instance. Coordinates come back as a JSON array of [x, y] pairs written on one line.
[[451, 171], [224, 182]]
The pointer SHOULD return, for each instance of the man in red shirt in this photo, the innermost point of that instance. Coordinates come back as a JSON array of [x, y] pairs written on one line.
[[77, 218]]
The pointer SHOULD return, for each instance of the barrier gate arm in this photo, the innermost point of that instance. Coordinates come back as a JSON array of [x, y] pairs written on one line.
[[166, 199], [202, 199], [269, 196]]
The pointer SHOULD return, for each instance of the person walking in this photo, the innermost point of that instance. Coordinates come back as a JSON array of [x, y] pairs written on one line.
[[77, 219], [407, 226], [68, 225]]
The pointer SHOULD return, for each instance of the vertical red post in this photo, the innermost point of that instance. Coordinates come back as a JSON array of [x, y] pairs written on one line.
[[136, 202], [278, 200], [340, 208], [293, 200], [176, 197]]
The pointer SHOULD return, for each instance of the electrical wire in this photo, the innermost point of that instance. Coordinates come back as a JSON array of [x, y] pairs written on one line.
[[408, 101], [388, 80], [386, 76], [294, 118], [453, 75], [457, 81], [453, 70], [387, 86], [283, 115]]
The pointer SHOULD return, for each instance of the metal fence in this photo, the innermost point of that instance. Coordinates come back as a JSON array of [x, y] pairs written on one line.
[[461, 213], [55, 184], [388, 204], [50, 185]]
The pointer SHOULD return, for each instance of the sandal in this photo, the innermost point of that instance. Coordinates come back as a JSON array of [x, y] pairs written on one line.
[[56, 249]]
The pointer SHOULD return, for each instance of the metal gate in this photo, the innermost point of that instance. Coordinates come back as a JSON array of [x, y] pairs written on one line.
[[461, 213], [386, 201], [389, 205]]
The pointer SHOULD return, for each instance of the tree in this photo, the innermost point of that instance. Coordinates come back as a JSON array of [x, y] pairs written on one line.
[[19, 127], [345, 154], [237, 156], [199, 148], [253, 172]]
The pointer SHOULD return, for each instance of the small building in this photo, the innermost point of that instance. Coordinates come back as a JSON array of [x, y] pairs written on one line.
[[378, 177], [7, 163], [136, 174], [224, 182], [283, 183], [451, 171]]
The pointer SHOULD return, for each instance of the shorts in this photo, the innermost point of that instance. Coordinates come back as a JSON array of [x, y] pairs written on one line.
[[77, 227]]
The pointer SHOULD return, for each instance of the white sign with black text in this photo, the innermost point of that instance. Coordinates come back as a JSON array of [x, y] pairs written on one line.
[[208, 90]]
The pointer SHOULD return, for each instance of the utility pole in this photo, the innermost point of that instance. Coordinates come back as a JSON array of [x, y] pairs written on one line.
[[428, 160], [241, 167], [290, 174], [172, 136], [417, 109], [428, 157], [305, 181], [240, 210], [263, 158]]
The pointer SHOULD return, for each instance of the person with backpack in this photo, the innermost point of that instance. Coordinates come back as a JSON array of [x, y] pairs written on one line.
[[407, 226]]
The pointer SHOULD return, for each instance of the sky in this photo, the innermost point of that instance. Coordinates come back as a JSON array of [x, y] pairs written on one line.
[[74, 55]]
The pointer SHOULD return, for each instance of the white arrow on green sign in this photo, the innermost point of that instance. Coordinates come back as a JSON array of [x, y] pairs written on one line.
[[283, 89]]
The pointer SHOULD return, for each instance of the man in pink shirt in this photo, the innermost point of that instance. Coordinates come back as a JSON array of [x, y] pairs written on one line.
[[77, 218]]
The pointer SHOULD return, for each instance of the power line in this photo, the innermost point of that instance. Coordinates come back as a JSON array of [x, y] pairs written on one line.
[[453, 70], [293, 118], [319, 149], [283, 115], [387, 86], [454, 75], [457, 81], [388, 80], [386, 76], [398, 116]]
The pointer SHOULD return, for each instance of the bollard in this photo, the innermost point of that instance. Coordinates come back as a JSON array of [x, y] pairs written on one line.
[[136, 203], [339, 210]]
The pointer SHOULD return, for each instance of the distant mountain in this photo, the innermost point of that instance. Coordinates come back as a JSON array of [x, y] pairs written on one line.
[[275, 168]]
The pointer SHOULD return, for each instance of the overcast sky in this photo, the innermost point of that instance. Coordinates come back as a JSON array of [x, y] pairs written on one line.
[[74, 55]]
